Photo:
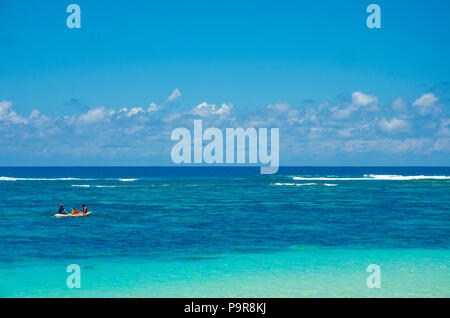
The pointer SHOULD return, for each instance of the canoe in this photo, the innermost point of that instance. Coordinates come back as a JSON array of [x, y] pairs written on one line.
[[72, 215]]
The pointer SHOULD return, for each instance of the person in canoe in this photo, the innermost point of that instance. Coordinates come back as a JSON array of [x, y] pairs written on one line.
[[74, 211], [61, 209], [84, 209]]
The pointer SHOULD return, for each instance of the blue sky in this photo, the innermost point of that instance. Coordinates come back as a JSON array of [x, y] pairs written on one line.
[[342, 94]]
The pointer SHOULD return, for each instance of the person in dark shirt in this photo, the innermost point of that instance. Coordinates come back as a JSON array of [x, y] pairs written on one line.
[[84, 209], [61, 209]]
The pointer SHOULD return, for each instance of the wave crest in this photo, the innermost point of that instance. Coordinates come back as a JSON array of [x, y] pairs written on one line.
[[39, 179], [293, 184], [368, 177]]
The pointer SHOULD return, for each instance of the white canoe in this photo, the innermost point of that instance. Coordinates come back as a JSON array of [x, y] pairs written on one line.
[[72, 215]]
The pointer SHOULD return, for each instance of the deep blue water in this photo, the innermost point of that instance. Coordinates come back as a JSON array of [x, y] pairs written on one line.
[[189, 213]]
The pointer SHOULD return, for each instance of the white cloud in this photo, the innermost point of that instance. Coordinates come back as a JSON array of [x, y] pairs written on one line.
[[134, 129], [349, 131], [399, 105], [386, 145], [342, 113], [444, 129], [172, 117], [205, 110], [442, 144], [95, 115], [315, 132], [369, 102], [4, 108], [309, 128], [224, 110], [175, 95], [34, 114], [8, 114], [426, 103], [279, 107], [131, 112], [138, 110], [346, 132], [426, 100], [394, 124], [153, 107], [361, 99], [284, 111]]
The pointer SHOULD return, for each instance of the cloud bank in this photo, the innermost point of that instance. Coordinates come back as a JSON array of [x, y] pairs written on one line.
[[359, 131]]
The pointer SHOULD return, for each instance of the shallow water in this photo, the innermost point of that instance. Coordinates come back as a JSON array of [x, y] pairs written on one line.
[[226, 231]]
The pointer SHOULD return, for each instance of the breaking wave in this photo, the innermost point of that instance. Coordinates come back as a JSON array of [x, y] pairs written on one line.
[[368, 177], [39, 179], [60, 179], [106, 186], [96, 186], [293, 184]]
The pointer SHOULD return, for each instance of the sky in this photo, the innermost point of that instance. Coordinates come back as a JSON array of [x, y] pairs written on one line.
[[111, 92]]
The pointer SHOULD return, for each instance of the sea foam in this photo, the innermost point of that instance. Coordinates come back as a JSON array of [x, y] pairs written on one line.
[[293, 184], [106, 186], [39, 179], [368, 177], [59, 179]]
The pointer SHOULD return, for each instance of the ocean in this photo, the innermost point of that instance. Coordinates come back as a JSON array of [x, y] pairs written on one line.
[[225, 231]]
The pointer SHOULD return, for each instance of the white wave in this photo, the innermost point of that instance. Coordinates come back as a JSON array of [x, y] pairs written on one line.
[[8, 179], [59, 179], [293, 184], [330, 184], [39, 179], [97, 186], [398, 177], [327, 178], [368, 177]]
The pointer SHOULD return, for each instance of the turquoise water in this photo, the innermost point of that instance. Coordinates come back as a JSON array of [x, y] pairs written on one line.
[[224, 232]]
